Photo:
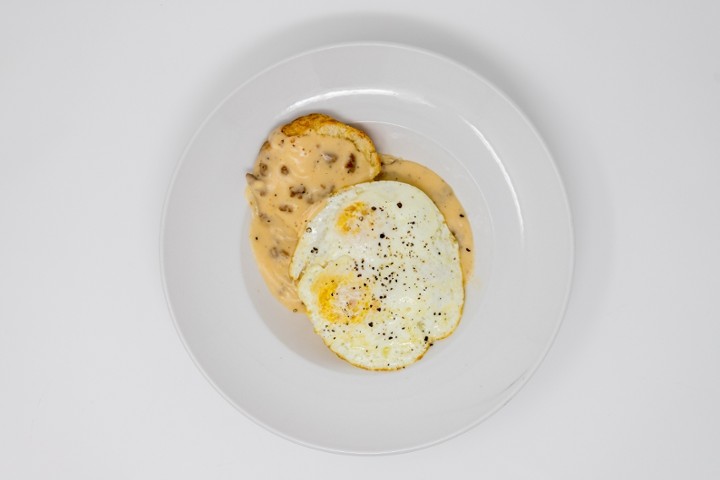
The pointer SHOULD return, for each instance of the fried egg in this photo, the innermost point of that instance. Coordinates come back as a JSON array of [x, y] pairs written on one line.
[[379, 273]]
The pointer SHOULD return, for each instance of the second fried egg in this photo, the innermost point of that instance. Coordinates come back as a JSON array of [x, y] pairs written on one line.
[[379, 273]]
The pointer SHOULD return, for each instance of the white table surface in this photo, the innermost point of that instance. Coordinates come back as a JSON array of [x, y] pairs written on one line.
[[99, 99]]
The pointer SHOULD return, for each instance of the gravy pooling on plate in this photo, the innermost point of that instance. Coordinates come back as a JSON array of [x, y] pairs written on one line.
[[297, 169]]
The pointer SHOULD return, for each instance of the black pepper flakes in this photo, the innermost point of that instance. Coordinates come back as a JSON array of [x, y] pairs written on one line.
[[399, 204]]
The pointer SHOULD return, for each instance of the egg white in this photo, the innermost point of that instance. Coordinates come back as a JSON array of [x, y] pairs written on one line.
[[379, 273]]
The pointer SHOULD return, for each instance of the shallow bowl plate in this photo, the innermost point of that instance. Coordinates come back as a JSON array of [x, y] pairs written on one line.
[[266, 361]]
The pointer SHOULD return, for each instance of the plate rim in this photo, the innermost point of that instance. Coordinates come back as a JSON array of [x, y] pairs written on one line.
[[567, 288]]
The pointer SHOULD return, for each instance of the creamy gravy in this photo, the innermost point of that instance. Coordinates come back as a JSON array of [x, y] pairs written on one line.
[[290, 180]]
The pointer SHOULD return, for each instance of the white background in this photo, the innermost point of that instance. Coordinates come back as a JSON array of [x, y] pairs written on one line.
[[99, 99]]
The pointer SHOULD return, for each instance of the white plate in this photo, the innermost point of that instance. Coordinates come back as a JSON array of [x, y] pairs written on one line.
[[265, 360]]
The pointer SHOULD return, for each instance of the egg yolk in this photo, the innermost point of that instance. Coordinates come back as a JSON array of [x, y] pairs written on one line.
[[352, 217], [342, 299]]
